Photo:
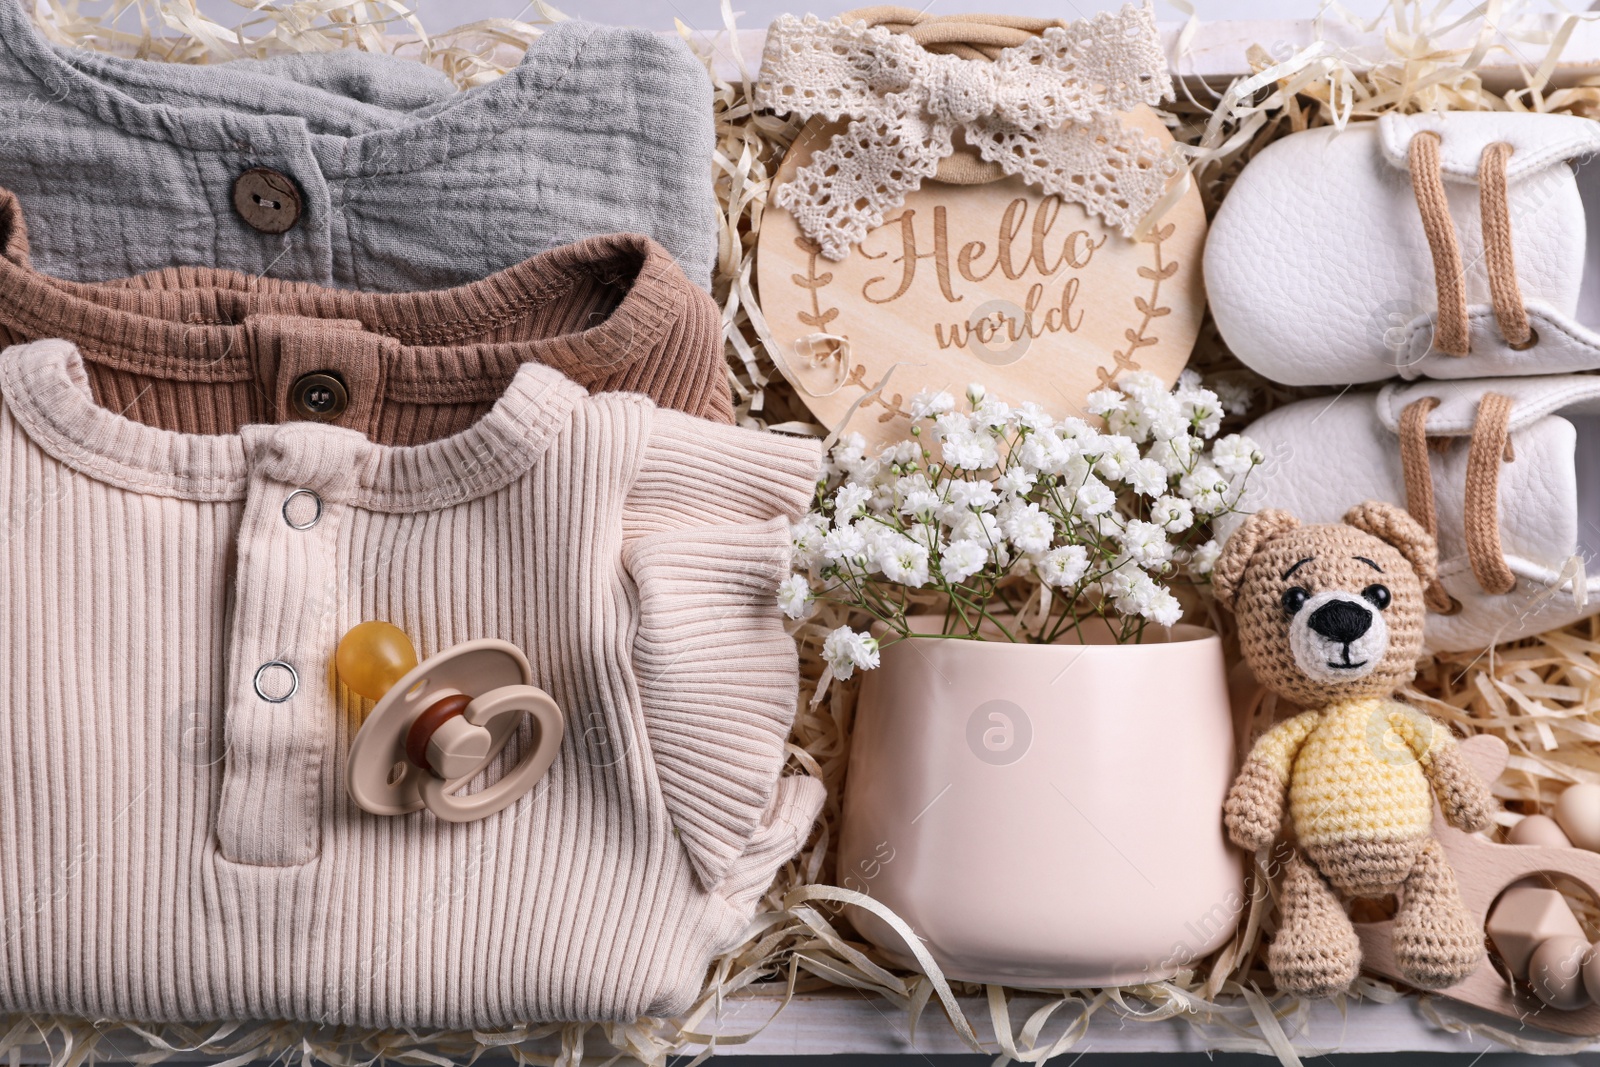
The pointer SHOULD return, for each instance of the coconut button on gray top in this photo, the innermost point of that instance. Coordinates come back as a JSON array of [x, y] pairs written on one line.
[[266, 200]]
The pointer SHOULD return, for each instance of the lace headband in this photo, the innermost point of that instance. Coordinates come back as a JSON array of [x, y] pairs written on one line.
[[1044, 109]]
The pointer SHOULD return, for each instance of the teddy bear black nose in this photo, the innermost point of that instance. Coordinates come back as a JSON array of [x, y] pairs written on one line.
[[1341, 620]]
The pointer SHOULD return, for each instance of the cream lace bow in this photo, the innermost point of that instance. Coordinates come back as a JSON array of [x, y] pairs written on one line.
[[1044, 110]]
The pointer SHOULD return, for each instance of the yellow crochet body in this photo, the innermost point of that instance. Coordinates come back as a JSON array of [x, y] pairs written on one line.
[[1356, 771]]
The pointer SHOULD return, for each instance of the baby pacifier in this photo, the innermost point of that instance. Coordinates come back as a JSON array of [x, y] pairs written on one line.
[[438, 723]]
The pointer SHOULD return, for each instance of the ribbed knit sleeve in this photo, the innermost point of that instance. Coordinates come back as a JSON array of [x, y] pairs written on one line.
[[706, 543], [698, 473]]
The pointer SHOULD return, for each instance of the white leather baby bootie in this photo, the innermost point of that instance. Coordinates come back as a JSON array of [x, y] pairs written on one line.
[[1441, 246], [1505, 472]]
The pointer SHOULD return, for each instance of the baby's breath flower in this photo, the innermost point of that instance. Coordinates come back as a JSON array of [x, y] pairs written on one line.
[[849, 451], [970, 451], [1204, 558], [977, 494], [1028, 528], [1074, 429], [1095, 497], [1146, 543], [794, 596], [977, 526], [1132, 423], [1142, 385], [848, 501], [1062, 567], [951, 422], [1117, 454], [1017, 481], [1163, 608], [1011, 492], [904, 561], [1235, 398], [882, 501], [844, 544], [1172, 513], [1103, 402], [1134, 591], [805, 538], [928, 404], [1030, 416], [899, 453], [1176, 454], [1201, 409], [1204, 488], [921, 502], [846, 649], [991, 415], [1235, 454], [1167, 425], [1147, 477], [961, 559], [1043, 452]]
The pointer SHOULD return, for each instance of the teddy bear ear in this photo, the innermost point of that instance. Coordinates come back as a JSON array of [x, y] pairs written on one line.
[[1255, 531], [1396, 526]]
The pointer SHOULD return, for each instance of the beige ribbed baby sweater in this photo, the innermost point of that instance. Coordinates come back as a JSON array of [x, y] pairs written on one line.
[[174, 847]]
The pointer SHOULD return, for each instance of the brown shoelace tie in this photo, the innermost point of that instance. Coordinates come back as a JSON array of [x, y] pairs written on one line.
[[1488, 447], [1452, 334]]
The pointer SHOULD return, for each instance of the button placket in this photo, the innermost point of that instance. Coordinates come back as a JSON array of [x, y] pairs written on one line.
[[320, 370], [279, 720]]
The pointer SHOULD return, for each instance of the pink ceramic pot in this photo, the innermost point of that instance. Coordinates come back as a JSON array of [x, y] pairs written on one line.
[[1045, 815]]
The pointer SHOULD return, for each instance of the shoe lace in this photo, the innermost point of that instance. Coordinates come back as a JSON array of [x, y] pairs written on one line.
[[1488, 446], [1452, 334]]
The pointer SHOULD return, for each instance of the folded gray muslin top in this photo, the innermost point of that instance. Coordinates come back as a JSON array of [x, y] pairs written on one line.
[[395, 180]]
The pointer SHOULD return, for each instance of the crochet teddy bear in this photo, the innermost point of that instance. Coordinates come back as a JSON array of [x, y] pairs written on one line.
[[1330, 617]]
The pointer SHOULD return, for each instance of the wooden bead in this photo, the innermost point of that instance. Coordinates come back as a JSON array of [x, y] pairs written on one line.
[[1556, 972], [1578, 812], [1538, 830]]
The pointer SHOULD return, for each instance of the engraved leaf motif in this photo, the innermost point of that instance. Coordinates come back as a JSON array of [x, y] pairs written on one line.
[[820, 320]]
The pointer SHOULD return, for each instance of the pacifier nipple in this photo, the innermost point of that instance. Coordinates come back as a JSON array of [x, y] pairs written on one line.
[[372, 657]]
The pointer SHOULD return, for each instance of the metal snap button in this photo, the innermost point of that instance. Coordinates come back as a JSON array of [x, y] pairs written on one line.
[[275, 665], [266, 200], [316, 505], [320, 395]]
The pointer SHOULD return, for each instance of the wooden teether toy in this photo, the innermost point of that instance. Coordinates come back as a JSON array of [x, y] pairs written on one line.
[[1534, 931], [439, 723]]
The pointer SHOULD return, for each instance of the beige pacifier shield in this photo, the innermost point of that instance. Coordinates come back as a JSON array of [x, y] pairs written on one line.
[[995, 283], [378, 776]]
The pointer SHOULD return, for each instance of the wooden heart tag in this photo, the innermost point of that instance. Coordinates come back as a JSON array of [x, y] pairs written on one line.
[[995, 283]]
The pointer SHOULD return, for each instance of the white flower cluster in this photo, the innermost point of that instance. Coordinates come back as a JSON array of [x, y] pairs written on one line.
[[982, 505]]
